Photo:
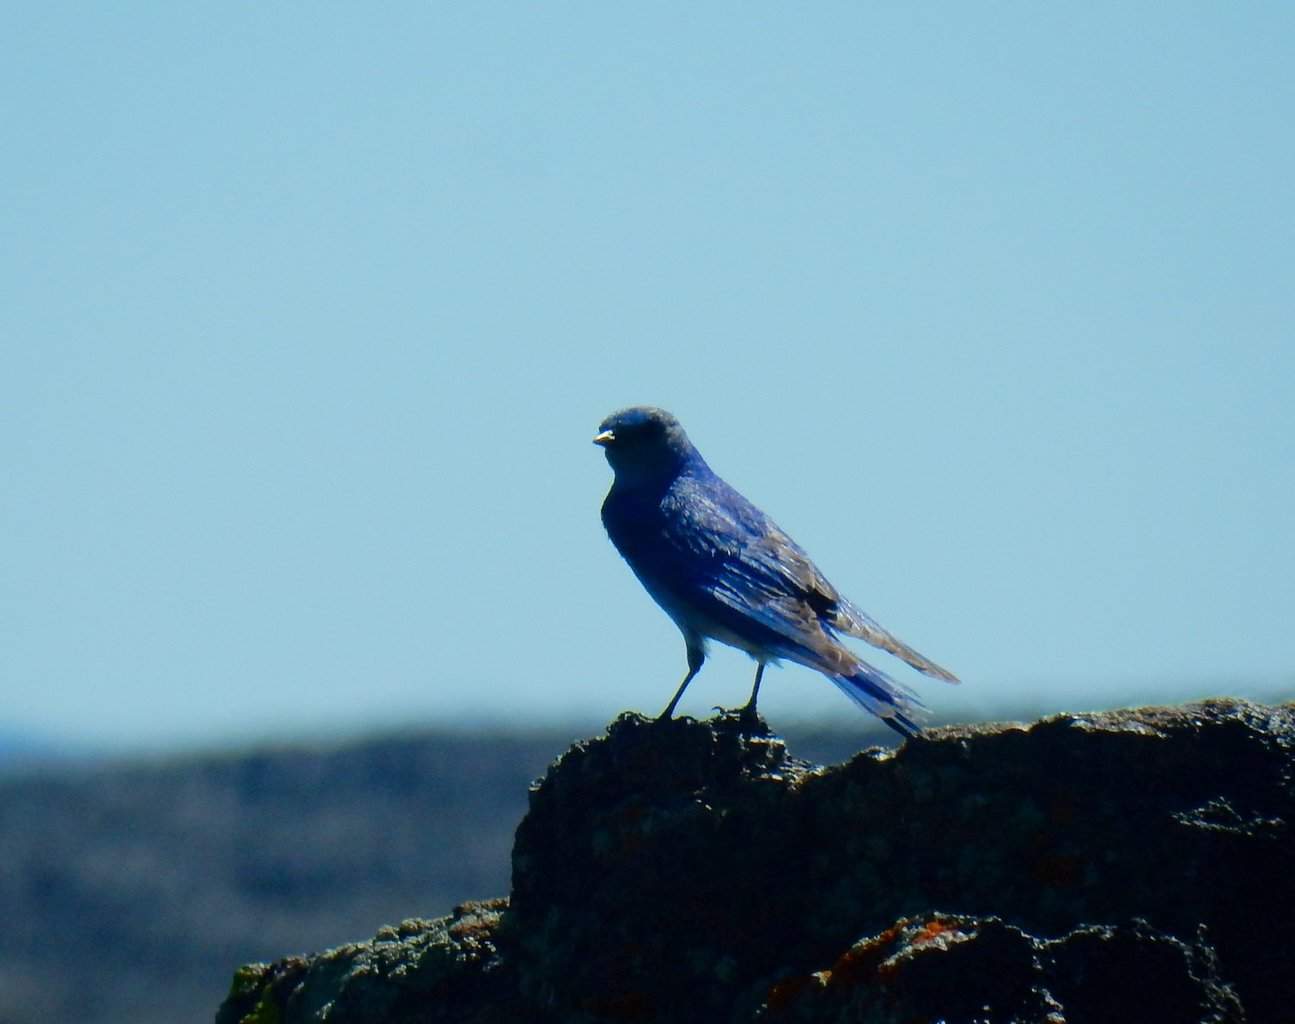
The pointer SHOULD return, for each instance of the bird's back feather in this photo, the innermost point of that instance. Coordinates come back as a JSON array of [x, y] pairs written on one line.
[[731, 552]]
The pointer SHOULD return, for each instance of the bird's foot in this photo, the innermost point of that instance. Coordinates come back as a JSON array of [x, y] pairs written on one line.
[[748, 719]]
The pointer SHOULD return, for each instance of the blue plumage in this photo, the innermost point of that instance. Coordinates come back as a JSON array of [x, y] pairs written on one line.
[[723, 570]]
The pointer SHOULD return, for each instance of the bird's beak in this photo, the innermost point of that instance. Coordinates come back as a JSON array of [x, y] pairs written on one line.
[[605, 438]]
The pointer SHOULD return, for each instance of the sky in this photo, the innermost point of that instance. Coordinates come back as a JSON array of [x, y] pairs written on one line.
[[308, 314]]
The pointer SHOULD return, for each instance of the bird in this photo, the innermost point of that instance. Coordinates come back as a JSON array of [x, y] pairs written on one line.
[[723, 570]]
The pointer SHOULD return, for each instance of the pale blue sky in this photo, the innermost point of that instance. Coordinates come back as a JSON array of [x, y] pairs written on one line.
[[308, 314]]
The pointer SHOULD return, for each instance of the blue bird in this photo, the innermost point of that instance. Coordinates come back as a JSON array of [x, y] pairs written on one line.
[[723, 570]]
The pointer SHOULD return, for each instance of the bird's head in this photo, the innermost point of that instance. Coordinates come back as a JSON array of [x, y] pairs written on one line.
[[644, 444]]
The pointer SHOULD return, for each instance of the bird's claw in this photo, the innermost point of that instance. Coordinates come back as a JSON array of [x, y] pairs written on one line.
[[747, 717]]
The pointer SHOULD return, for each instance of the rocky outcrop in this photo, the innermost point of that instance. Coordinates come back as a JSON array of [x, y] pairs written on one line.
[[1124, 865], [418, 971]]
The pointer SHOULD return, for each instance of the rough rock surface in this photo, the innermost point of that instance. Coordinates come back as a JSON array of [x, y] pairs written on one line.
[[424, 971], [1123, 865]]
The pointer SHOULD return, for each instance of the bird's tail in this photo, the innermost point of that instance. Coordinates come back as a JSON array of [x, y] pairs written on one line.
[[892, 702], [846, 618]]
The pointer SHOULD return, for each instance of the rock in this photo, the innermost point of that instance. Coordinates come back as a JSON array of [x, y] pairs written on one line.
[[419, 971], [1088, 867], [957, 968]]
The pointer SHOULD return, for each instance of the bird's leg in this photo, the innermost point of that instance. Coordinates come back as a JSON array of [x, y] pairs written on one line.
[[748, 709], [696, 656]]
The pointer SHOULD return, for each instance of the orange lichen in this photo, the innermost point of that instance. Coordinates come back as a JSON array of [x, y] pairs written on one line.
[[859, 963], [932, 930]]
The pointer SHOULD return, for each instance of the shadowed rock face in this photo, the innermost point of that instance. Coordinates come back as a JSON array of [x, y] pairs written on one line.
[[1088, 867]]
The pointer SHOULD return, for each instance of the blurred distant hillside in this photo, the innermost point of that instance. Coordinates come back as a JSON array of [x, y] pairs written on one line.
[[130, 891], [20, 749]]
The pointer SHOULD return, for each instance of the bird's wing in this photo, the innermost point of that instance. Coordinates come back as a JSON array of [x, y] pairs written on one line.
[[746, 574], [758, 570]]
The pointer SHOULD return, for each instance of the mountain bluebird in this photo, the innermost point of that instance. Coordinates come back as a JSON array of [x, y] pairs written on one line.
[[723, 570]]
